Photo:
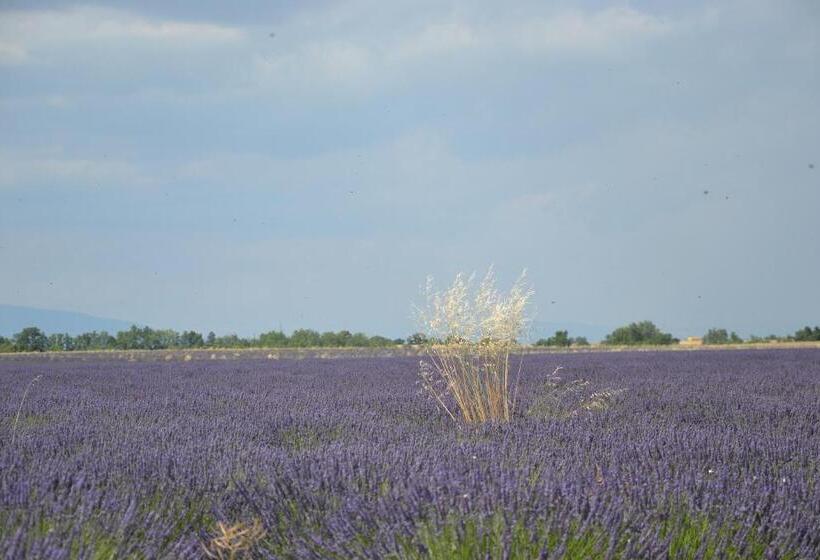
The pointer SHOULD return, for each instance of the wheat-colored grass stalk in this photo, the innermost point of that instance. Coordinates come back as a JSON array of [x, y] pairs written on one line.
[[473, 333], [231, 542], [20, 407]]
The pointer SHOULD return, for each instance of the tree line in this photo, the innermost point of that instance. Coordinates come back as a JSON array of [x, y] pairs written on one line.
[[645, 333], [32, 339]]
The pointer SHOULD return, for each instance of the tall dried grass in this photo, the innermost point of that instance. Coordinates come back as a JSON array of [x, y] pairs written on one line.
[[473, 332], [20, 408]]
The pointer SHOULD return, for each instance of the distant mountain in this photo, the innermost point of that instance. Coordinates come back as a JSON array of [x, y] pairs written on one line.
[[593, 333], [14, 318]]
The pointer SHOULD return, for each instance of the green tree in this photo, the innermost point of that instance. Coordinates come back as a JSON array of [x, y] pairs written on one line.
[[644, 332], [191, 339], [304, 338], [132, 339], [61, 342], [94, 341], [807, 334], [343, 338], [380, 341], [162, 339], [417, 339], [359, 340], [145, 338], [273, 339], [560, 338], [329, 339], [6, 345], [580, 341], [232, 341], [30, 339], [716, 336]]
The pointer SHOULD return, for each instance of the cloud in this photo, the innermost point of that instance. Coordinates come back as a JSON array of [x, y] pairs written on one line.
[[329, 50], [94, 51], [93, 48], [41, 29], [12, 53], [22, 169], [435, 39], [355, 49], [589, 32]]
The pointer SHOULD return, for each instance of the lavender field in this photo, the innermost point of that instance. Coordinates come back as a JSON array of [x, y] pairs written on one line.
[[706, 454]]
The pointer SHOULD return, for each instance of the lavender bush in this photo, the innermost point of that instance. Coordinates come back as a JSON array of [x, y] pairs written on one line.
[[711, 454]]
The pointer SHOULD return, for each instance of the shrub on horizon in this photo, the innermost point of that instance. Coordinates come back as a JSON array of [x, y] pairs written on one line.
[[720, 336], [471, 334], [30, 339], [417, 339], [644, 332], [560, 338], [807, 334]]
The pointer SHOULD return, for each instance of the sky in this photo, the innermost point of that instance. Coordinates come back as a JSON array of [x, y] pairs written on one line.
[[248, 166]]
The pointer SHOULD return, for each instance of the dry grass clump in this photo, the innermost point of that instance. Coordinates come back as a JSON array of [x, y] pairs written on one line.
[[232, 542], [601, 400], [472, 332], [561, 399]]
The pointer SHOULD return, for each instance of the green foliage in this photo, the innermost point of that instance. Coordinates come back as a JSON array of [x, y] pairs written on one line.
[[644, 332], [231, 341], [720, 336], [308, 338], [807, 334], [560, 338], [690, 535], [694, 536], [359, 339], [329, 338], [473, 538], [191, 339], [417, 339], [146, 338], [30, 339], [304, 338], [273, 339], [380, 341], [94, 341], [61, 342], [716, 336], [769, 338]]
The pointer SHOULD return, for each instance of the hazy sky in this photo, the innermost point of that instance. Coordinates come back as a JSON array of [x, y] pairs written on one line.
[[241, 167]]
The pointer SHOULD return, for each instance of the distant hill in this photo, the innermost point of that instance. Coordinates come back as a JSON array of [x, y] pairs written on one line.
[[14, 318]]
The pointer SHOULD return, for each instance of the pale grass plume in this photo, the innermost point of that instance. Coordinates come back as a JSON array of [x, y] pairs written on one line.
[[473, 331]]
